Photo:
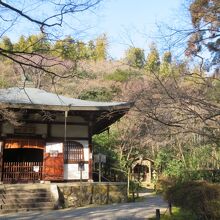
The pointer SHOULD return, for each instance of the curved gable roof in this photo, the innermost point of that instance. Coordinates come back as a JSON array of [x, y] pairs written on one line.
[[105, 113], [33, 98]]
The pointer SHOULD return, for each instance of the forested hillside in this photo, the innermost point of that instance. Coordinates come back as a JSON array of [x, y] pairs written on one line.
[[175, 113]]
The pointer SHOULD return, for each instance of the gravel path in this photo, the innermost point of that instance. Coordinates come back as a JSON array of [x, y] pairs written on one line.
[[122, 211]]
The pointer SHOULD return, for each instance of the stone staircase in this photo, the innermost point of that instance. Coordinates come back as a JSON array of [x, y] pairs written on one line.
[[25, 197]]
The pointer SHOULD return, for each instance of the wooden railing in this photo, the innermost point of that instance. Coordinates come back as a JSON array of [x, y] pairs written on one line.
[[14, 172]]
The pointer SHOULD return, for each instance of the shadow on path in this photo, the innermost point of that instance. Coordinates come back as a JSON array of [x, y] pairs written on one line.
[[129, 211]]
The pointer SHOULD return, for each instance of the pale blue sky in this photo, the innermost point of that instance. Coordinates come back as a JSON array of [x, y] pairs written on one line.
[[134, 22], [126, 23]]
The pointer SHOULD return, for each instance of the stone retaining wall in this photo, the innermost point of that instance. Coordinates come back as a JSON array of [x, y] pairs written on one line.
[[76, 194]]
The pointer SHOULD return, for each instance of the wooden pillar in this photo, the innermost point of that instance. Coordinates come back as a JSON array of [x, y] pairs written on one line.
[[150, 171], [90, 149], [1, 160], [90, 162], [48, 130]]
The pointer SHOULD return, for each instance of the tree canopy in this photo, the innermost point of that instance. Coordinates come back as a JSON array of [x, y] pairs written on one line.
[[153, 59], [205, 36], [47, 17], [135, 57]]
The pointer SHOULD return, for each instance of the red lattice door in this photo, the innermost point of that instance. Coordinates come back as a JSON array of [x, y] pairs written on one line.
[[53, 162]]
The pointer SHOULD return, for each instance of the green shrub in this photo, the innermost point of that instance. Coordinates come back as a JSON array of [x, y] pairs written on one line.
[[164, 183], [99, 94], [134, 186], [175, 168], [200, 198], [134, 189], [3, 83], [96, 94], [83, 74], [121, 75]]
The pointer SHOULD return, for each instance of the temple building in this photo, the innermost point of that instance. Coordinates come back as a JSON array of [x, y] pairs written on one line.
[[51, 139]]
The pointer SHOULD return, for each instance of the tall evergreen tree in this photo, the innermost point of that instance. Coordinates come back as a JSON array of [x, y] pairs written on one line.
[[6, 43], [21, 44], [91, 50], [101, 47], [153, 59], [65, 48], [135, 57], [165, 66]]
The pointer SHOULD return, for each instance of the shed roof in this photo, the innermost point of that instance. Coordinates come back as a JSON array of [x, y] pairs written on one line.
[[32, 98]]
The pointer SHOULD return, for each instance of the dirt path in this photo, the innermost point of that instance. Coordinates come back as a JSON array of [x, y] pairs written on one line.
[[132, 211]]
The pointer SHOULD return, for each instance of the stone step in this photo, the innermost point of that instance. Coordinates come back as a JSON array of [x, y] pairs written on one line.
[[6, 211], [25, 185], [25, 195], [26, 205], [25, 200], [22, 190], [34, 186]]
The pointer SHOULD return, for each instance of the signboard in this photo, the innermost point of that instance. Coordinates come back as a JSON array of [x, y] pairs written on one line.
[[54, 153], [36, 169], [81, 166], [51, 147], [99, 158]]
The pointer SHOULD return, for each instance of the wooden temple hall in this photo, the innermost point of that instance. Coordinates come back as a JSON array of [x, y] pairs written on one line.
[[52, 137]]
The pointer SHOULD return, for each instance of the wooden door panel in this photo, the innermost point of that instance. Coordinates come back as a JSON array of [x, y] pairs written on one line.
[[53, 164]]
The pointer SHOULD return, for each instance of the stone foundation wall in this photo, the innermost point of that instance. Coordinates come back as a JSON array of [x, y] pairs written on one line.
[[76, 194]]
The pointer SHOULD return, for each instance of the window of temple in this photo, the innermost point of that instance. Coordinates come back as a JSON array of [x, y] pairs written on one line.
[[73, 152]]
